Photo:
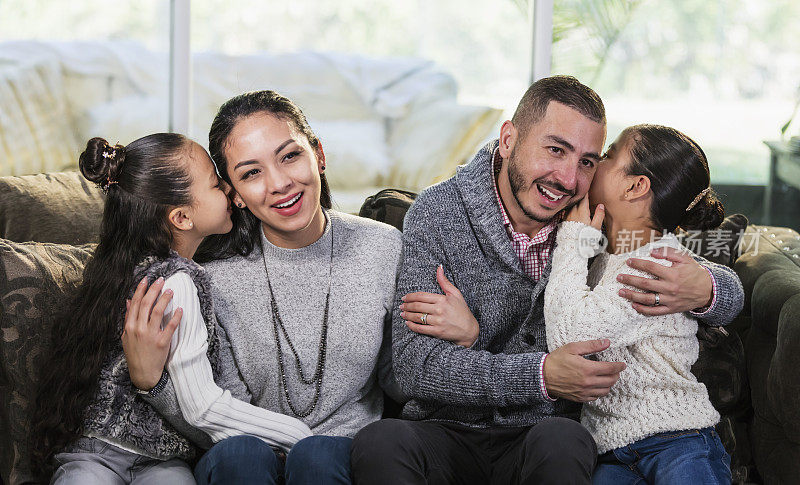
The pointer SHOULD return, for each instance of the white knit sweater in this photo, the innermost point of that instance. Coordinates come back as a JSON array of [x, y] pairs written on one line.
[[656, 392]]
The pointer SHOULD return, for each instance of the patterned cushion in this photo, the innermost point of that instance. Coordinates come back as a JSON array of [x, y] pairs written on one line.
[[61, 208], [35, 281]]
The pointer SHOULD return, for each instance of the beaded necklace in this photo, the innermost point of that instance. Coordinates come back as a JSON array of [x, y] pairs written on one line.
[[279, 328]]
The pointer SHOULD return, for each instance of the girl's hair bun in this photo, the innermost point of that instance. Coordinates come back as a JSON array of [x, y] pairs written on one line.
[[101, 162], [707, 214]]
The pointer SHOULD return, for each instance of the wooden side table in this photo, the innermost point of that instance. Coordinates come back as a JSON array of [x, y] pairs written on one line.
[[784, 168]]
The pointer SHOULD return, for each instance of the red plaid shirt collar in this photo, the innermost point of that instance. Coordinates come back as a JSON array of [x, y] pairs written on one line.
[[533, 252]]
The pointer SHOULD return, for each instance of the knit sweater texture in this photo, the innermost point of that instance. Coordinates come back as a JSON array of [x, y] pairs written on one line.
[[366, 254], [120, 415], [657, 391], [457, 223]]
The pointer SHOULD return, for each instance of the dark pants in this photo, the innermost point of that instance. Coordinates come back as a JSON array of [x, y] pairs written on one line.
[[557, 450], [245, 460]]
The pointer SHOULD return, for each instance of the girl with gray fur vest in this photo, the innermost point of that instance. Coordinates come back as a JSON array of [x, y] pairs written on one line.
[[90, 423]]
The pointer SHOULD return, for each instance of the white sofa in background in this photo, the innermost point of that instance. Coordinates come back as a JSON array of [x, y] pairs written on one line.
[[383, 122]]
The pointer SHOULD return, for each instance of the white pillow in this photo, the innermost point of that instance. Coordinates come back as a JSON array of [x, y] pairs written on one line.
[[355, 151], [126, 119], [35, 133], [429, 143]]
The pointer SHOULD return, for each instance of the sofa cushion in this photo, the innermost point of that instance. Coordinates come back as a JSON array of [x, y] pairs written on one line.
[[722, 367], [62, 208], [388, 206], [770, 272], [36, 280], [720, 245]]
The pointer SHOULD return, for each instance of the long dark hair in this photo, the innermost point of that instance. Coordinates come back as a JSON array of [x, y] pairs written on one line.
[[678, 171], [246, 232], [143, 182]]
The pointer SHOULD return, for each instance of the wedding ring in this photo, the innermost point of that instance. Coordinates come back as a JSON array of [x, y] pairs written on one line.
[[658, 300], [424, 318]]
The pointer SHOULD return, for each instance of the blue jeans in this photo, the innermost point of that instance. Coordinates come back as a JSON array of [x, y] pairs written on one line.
[[691, 456], [248, 460]]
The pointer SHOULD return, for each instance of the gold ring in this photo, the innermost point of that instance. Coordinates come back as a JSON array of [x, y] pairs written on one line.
[[424, 318]]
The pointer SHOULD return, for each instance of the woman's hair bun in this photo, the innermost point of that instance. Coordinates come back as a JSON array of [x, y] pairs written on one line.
[[708, 213], [101, 162]]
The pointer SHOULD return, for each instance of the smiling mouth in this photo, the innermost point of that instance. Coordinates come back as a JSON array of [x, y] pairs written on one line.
[[289, 203], [548, 194]]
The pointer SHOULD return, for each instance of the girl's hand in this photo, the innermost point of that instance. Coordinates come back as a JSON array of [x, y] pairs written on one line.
[[145, 344], [581, 213], [447, 316]]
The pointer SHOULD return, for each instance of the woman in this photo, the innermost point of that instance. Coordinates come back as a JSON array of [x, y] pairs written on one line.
[[303, 292], [163, 199]]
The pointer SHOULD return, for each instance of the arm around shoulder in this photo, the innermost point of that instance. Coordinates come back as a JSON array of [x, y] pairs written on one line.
[[728, 294]]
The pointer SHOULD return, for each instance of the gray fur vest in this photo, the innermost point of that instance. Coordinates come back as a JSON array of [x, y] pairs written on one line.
[[117, 411]]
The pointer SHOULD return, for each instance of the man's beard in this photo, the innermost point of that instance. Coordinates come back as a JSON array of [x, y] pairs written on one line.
[[517, 181]]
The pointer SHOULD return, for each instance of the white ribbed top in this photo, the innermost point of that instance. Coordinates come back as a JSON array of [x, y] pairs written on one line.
[[203, 404]]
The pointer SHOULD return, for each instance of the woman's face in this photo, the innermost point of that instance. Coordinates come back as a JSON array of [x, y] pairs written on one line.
[[610, 179], [211, 207], [276, 174]]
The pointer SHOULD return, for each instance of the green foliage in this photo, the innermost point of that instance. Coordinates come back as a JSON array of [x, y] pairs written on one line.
[[603, 22]]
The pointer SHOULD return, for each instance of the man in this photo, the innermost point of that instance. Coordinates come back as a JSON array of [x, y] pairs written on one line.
[[494, 412]]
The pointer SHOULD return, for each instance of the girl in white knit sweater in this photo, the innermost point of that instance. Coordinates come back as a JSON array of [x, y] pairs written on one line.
[[656, 424]]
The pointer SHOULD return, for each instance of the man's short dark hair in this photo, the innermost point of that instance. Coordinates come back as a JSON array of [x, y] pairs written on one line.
[[564, 89]]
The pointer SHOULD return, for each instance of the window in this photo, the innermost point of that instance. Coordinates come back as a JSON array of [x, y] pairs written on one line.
[[400, 92], [725, 72], [73, 70]]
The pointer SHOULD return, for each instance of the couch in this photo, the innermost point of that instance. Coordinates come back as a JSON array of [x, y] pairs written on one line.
[[748, 368]]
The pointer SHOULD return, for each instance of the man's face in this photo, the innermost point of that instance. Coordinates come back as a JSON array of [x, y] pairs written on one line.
[[552, 167]]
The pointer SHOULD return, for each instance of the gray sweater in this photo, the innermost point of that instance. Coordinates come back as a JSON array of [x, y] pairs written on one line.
[[458, 224], [365, 259]]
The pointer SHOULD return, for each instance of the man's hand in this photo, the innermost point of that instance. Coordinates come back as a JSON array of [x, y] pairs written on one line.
[[145, 344], [570, 376], [682, 287]]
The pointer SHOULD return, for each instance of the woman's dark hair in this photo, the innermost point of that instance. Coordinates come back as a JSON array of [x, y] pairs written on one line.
[[143, 182], [246, 232], [678, 171]]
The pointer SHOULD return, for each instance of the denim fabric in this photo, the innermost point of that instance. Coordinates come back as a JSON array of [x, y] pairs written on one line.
[[244, 460], [248, 460], [675, 457], [319, 460], [91, 461]]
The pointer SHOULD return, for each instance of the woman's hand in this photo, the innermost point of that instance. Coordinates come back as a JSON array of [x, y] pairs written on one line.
[[145, 344], [581, 213], [447, 316]]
